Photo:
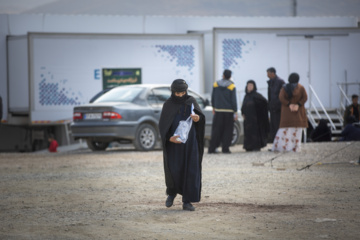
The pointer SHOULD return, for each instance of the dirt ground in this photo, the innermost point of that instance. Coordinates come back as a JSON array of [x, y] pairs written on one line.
[[120, 194]]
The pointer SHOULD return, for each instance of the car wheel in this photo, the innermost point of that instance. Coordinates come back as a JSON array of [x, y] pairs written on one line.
[[97, 146], [236, 135], [145, 139]]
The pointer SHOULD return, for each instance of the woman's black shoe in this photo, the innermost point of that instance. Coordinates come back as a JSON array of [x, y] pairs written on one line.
[[170, 200], [188, 207]]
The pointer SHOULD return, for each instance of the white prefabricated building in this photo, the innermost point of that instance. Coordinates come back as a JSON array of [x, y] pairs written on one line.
[[323, 50]]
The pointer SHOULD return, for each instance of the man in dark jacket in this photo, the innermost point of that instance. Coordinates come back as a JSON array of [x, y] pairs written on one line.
[[224, 104], [274, 86], [352, 110]]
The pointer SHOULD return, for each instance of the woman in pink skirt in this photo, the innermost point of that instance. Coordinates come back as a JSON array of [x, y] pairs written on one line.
[[293, 116]]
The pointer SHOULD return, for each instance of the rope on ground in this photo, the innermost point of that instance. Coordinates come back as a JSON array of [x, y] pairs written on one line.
[[309, 165], [271, 160]]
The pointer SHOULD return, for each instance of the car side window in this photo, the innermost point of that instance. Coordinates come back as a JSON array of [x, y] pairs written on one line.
[[199, 99], [152, 100], [158, 96]]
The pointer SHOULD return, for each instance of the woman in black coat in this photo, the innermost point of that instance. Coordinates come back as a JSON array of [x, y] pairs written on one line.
[[256, 121], [182, 161], [322, 132]]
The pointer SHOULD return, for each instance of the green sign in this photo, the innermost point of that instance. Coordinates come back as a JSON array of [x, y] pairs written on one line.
[[113, 77]]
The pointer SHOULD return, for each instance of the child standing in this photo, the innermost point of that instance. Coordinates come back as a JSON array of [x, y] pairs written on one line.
[[53, 143]]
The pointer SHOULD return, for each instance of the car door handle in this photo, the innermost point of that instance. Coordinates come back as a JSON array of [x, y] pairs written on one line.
[[156, 111]]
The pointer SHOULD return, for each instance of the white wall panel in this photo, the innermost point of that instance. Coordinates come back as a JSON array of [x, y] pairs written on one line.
[[168, 24], [322, 59], [93, 24], [248, 56], [22, 24], [63, 66], [18, 74]]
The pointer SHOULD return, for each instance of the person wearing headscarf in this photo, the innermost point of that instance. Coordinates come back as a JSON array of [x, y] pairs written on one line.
[[182, 161], [293, 119], [256, 121], [322, 132]]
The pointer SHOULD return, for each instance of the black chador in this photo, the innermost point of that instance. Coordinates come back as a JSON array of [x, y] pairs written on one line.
[[182, 162], [256, 122]]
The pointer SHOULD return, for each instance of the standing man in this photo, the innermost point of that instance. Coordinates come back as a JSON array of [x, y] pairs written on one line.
[[223, 99], [352, 110], [275, 84]]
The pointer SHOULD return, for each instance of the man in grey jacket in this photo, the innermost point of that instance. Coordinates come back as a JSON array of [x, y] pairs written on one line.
[[223, 99]]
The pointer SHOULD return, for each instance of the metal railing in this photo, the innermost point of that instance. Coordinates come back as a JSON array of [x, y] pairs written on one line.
[[313, 107], [343, 97]]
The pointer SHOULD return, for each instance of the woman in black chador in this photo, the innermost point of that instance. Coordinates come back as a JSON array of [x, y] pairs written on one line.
[[256, 121], [182, 161], [322, 132]]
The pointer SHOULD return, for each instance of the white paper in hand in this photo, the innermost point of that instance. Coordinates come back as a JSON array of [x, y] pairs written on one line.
[[184, 127]]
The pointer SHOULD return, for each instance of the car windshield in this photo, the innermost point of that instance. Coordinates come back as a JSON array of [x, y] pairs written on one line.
[[120, 94]]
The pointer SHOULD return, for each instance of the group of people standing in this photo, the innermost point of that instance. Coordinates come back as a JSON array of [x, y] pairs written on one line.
[[285, 104], [183, 160]]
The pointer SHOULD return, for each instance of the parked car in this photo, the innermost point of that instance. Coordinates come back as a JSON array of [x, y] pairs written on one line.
[[130, 114]]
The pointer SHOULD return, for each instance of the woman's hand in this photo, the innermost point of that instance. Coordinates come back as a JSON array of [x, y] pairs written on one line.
[[294, 107], [195, 117], [174, 139]]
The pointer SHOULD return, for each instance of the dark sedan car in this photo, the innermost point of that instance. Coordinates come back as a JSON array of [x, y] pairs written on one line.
[[130, 114]]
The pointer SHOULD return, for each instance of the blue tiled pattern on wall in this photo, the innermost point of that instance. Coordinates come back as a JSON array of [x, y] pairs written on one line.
[[50, 94], [183, 54], [232, 49]]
